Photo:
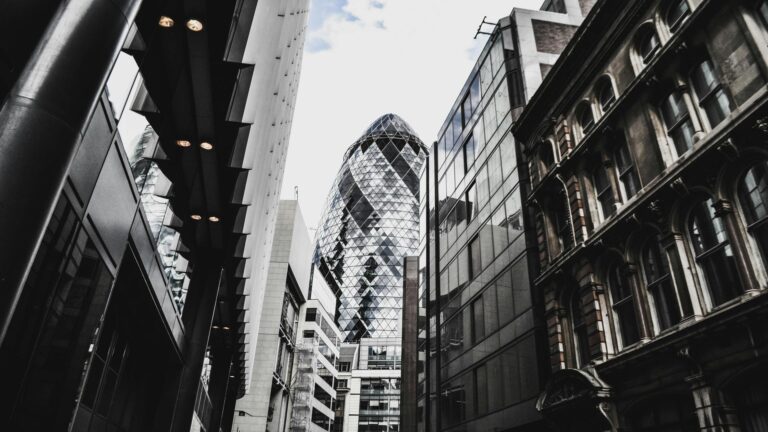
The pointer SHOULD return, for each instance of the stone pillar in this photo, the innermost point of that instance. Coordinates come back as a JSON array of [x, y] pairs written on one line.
[[41, 127], [198, 317], [707, 403]]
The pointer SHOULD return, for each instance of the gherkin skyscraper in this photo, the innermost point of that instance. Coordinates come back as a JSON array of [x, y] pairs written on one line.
[[370, 223]]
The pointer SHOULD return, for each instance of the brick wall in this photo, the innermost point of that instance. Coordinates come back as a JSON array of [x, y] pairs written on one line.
[[551, 37]]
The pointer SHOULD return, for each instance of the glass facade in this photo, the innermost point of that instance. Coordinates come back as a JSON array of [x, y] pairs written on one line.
[[379, 405], [370, 224], [477, 341]]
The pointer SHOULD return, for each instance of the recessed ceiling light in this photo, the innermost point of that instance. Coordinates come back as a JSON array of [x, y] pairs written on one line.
[[194, 25], [165, 21], [213, 218], [225, 328], [196, 217], [183, 143], [205, 145]]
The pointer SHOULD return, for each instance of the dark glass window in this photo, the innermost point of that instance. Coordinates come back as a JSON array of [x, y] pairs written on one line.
[[678, 122], [763, 11], [658, 282], [751, 399], [562, 220], [580, 335], [469, 151], [309, 333], [753, 192], [457, 125], [603, 191], [623, 305], [676, 13], [471, 202], [605, 94], [712, 97], [546, 157], [647, 43], [310, 315], [714, 254], [626, 170], [475, 263], [585, 117]]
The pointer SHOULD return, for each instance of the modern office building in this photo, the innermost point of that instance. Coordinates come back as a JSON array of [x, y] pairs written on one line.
[[648, 167], [315, 381], [369, 225], [142, 146], [481, 338], [267, 404]]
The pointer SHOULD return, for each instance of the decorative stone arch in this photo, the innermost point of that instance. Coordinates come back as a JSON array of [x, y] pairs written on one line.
[[574, 396]]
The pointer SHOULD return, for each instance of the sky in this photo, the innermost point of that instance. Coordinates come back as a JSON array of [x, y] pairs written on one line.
[[366, 58]]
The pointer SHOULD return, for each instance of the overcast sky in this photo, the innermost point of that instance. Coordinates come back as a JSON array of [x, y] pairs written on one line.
[[366, 58]]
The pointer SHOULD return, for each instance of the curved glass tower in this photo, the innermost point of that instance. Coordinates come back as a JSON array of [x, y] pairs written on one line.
[[370, 223]]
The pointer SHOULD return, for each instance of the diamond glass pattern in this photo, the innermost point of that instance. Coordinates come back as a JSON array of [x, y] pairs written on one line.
[[370, 223]]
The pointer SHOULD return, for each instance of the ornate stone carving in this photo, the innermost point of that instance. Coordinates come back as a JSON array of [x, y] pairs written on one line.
[[722, 207], [728, 149], [678, 185], [761, 125]]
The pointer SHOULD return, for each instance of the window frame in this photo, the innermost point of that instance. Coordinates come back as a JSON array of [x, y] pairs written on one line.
[[659, 288], [677, 123], [752, 221], [712, 93], [647, 30], [628, 170], [617, 270], [582, 110], [673, 26], [581, 356], [600, 193], [603, 84]]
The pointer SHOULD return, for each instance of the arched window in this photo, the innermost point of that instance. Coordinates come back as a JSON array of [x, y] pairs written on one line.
[[580, 335], [585, 118], [676, 13], [625, 169], [709, 91], [753, 192], [658, 283], [546, 155], [605, 94], [603, 192], [647, 42], [714, 254], [678, 122], [623, 305]]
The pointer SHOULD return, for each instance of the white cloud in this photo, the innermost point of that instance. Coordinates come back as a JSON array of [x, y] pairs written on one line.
[[366, 58]]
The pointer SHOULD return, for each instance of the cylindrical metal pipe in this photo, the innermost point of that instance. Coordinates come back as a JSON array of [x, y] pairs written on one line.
[[41, 127]]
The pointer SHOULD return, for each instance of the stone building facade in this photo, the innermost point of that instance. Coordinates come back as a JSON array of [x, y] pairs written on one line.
[[646, 146]]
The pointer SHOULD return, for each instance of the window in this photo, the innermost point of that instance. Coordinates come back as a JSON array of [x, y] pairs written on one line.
[[580, 336], [712, 98], [605, 94], [647, 43], [623, 305], [478, 320], [665, 414], [714, 254], [469, 151], [471, 202], [658, 283], [309, 334], [546, 157], [677, 13], [310, 315], [562, 221], [603, 191], [763, 11], [475, 264], [626, 172], [753, 192], [678, 122], [585, 118], [343, 366]]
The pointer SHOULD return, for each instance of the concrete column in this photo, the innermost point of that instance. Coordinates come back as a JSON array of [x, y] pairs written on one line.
[[199, 311], [707, 403], [41, 127]]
